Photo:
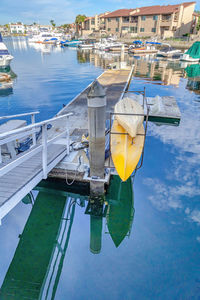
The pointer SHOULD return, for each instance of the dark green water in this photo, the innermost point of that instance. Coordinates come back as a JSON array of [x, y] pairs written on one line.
[[148, 239]]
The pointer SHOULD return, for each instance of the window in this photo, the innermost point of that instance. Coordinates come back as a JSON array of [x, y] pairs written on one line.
[[108, 29], [124, 28], [155, 18], [153, 29], [125, 19], [143, 18], [134, 19], [117, 29], [166, 17], [141, 29], [133, 29], [117, 19], [109, 19], [93, 22]]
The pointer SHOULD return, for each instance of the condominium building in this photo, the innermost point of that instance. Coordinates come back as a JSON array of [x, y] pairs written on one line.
[[164, 21], [95, 23]]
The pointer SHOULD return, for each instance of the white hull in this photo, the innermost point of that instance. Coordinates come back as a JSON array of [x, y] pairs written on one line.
[[5, 60], [169, 53], [131, 123], [188, 58]]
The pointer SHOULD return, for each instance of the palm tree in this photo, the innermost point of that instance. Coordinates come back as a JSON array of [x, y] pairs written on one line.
[[53, 23], [79, 19]]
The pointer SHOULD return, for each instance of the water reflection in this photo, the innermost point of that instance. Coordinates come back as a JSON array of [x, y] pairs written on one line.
[[120, 209], [149, 67], [193, 74], [46, 236], [44, 241], [6, 86]]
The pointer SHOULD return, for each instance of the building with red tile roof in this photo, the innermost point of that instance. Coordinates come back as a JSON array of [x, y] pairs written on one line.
[[165, 20]]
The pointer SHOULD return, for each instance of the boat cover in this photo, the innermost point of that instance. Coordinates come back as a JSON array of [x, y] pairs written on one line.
[[193, 71], [194, 51]]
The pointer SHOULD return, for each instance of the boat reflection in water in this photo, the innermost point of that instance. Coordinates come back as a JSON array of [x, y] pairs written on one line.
[[46, 235], [120, 212], [6, 86], [193, 74]]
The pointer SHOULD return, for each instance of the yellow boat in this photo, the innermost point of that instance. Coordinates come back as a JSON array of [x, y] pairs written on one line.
[[125, 150]]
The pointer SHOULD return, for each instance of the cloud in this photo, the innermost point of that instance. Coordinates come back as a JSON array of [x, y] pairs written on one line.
[[195, 216]]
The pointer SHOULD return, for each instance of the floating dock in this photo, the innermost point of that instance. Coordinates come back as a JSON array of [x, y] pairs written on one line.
[[116, 83], [52, 155]]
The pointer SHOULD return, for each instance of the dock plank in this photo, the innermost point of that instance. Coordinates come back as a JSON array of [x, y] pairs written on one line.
[[15, 180]]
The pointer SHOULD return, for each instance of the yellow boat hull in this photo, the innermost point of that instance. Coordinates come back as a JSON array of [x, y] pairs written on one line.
[[125, 150]]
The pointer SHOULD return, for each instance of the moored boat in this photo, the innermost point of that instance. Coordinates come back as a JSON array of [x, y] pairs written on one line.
[[125, 150], [5, 57], [192, 54], [147, 48], [168, 51], [129, 114], [72, 43]]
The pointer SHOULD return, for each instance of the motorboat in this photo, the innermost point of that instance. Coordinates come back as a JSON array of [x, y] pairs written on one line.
[[144, 48], [107, 44], [43, 37], [72, 43], [192, 54], [5, 57], [87, 44], [168, 51], [117, 47]]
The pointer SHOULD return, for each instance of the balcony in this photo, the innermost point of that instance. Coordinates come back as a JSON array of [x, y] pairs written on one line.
[[165, 22]]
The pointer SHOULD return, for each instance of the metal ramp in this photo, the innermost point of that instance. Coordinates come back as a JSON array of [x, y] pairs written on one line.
[[18, 176]]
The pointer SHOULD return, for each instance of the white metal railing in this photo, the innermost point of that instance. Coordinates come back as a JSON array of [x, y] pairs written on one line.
[[27, 131], [32, 114]]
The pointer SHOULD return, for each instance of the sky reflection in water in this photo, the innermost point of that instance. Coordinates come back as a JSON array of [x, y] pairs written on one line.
[[160, 259]]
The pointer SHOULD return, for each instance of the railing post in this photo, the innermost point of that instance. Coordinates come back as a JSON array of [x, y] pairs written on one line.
[[34, 134], [44, 150], [67, 136]]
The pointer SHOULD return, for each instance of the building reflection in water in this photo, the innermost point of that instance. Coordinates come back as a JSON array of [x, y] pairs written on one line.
[[46, 235], [148, 66]]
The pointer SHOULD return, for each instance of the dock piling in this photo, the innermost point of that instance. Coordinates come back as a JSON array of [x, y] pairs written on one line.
[[96, 99]]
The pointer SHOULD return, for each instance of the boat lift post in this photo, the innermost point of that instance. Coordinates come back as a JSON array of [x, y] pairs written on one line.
[[96, 99]]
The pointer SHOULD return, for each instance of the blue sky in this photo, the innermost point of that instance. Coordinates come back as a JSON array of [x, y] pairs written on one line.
[[65, 11]]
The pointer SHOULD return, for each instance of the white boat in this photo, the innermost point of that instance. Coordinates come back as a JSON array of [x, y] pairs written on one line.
[[123, 110], [5, 57], [188, 58], [106, 44], [43, 37], [192, 54], [87, 44], [167, 51]]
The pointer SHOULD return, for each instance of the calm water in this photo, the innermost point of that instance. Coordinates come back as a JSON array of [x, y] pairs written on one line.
[[160, 259]]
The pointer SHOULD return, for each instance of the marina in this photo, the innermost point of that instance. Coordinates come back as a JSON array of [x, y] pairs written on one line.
[[152, 196]]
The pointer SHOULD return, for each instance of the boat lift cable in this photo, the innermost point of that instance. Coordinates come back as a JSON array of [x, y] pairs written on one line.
[[73, 180]]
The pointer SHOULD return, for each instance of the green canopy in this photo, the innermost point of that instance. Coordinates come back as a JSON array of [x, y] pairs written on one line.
[[194, 51], [193, 71]]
